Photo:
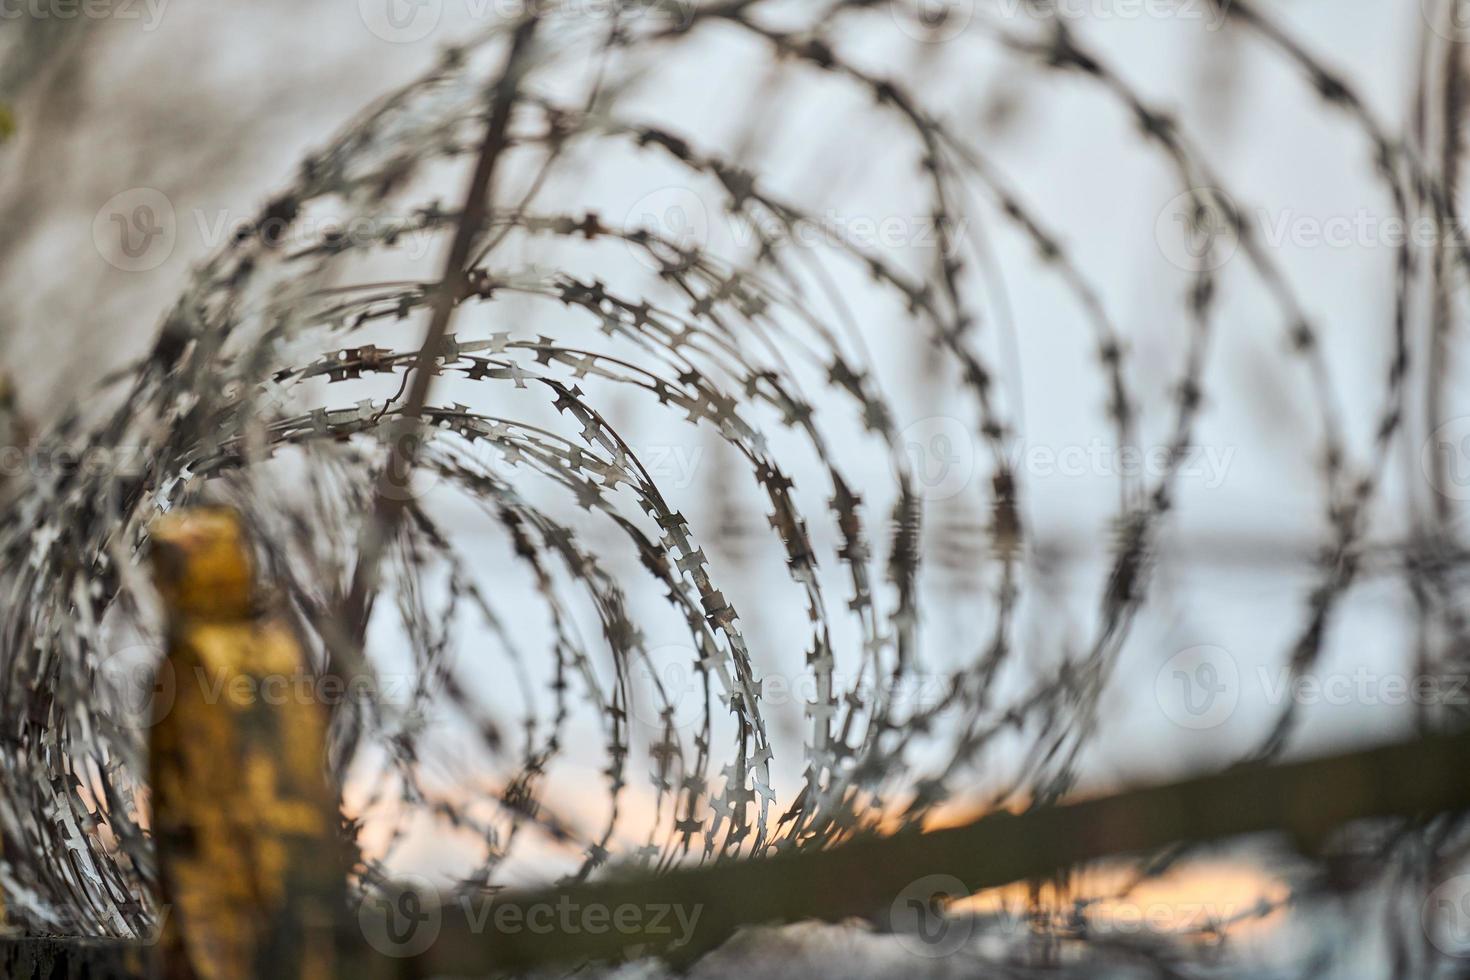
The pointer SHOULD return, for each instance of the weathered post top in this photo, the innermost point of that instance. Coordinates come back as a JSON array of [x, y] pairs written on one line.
[[202, 564]]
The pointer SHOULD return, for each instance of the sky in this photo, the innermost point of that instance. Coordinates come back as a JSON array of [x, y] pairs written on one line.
[[198, 111]]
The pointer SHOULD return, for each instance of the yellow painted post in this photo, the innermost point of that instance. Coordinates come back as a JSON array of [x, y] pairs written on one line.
[[244, 815]]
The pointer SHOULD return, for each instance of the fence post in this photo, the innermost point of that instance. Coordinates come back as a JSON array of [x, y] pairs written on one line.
[[246, 821]]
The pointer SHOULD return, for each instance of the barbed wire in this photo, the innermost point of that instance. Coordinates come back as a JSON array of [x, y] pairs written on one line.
[[238, 400]]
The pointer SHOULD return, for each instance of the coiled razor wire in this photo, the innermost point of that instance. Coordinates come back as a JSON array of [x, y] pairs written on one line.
[[238, 401]]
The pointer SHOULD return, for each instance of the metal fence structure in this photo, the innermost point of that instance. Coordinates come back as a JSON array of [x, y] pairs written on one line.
[[353, 461]]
